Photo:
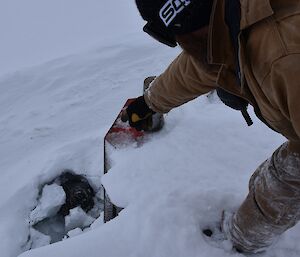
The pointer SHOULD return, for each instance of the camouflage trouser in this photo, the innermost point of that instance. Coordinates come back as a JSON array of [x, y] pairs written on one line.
[[272, 205]]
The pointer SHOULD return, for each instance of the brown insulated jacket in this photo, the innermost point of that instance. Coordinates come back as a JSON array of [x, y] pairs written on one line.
[[269, 57]]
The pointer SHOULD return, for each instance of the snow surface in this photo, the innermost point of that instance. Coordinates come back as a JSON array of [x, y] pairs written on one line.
[[35, 31], [54, 117]]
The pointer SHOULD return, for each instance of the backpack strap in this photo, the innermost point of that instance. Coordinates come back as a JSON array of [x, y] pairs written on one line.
[[232, 19]]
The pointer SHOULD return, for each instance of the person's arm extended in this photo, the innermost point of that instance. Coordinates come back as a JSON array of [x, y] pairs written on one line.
[[184, 80]]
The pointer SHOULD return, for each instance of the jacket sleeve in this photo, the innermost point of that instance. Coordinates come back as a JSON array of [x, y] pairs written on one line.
[[183, 81], [285, 88]]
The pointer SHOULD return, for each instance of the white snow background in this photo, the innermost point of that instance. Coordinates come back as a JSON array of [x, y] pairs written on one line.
[[53, 116]]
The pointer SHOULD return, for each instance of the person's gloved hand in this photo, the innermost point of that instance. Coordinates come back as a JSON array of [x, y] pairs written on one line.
[[139, 114]]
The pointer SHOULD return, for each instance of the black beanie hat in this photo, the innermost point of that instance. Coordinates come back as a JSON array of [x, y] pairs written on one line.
[[176, 16]]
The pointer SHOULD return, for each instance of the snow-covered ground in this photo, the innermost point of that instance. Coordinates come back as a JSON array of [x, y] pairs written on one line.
[[35, 31], [54, 117]]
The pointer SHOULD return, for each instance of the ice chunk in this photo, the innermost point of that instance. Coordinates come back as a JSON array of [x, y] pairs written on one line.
[[98, 222], [78, 219], [53, 227], [74, 232], [38, 239], [52, 198]]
